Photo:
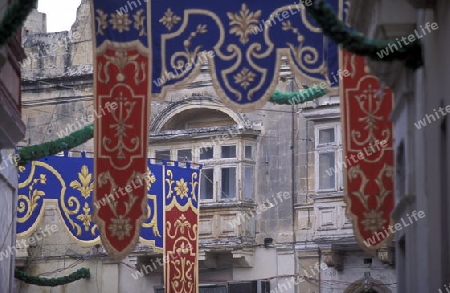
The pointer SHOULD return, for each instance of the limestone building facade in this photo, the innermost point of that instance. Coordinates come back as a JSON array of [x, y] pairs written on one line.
[[269, 208], [12, 130]]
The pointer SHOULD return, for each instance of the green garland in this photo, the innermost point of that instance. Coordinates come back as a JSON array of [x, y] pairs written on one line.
[[300, 97], [46, 149], [15, 16], [82, 273], [357, 43]]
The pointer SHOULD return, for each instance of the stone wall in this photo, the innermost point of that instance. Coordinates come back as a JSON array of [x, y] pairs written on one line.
[[8, 199]]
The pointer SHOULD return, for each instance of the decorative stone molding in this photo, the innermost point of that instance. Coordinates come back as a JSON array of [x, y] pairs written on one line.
[[209, 260], [386, 254], [333, 258], [243, 258]]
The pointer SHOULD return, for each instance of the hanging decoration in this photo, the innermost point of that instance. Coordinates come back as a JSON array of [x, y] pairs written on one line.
[[181, 237], [51, 148], [14, 17], [367, 135], [355, 42], [242, 43], [295, 98], [82, 273], [122, 78], [68, 182]]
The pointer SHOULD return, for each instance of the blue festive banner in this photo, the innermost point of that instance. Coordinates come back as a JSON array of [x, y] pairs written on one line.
[[69, 183], [243, 43]]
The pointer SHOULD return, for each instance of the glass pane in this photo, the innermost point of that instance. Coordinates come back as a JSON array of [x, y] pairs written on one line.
[[207, 184], [248, 182], [185, 155], [326, 135], [228, 183], [206, 153], [327, 172], [228, 151], [162, 155], [248, 152]]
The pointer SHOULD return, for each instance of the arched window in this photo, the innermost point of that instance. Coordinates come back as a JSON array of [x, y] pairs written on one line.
[[214, 136]]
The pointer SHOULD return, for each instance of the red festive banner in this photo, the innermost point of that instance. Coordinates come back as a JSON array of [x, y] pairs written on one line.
[[368, 154], [181, 232], [121, 143]]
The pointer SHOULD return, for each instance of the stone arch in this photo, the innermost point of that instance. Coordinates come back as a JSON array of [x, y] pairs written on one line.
[[359, 286], [180, 112]]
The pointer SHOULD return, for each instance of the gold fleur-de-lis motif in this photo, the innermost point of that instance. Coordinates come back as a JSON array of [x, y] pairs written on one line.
[[86, 218], [169, 19], [181, 189], [244, 78], [121, 59], [120, 22], [182, 223], [85, 186], [139, 22], [244, 23], [102, 24]]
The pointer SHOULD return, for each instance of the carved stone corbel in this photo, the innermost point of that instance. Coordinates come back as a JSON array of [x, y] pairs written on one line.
[[386, 255], [333, 258]]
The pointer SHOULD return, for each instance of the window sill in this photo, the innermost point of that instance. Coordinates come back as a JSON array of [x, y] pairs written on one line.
[[227, 204], [331, 193]]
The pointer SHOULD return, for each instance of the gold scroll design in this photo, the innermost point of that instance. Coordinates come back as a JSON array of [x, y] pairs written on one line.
[[182, 257], [58, 176], [370, 106], [121, 60], [180, 59], [121, 224], [350, 64], [119, 22], [125, 110], [28, 203], [85, 186], [181, 190], [304, 56], [153, 224], [373, 218]]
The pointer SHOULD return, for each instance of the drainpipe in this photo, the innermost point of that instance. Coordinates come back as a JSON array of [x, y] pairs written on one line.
[[294, 238]]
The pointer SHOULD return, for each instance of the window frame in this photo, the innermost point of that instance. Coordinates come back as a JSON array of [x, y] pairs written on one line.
[[252, 166], [334, 147], [176, 150], [213, 199], [217, 163]]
